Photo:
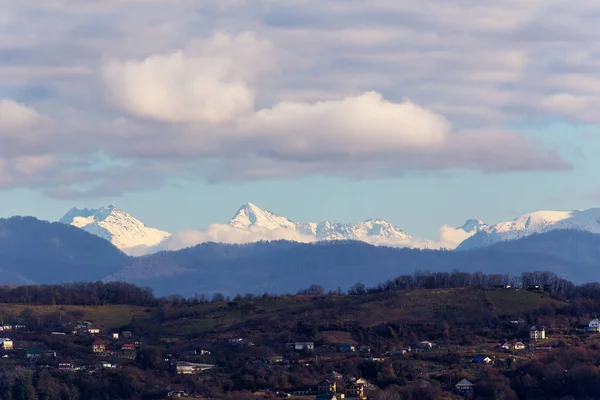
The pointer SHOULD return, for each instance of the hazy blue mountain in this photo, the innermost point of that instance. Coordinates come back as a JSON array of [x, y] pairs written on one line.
[[34, 251], [286, 267]]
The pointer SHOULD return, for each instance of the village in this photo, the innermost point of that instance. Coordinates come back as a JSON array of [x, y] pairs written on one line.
[[107, 350]]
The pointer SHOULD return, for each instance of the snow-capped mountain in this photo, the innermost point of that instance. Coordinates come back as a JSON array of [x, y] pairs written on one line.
[[250, 215], [116, 226], [535, 222]]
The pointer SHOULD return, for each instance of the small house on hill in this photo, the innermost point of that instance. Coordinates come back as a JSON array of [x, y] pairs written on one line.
[[594, 326], [519, 346], [481, 360], [537, 334], [326, 386], [6, 344], [464, 386], [426, 344], [347, 348], [33, 353], [98, 347], [505, 346]]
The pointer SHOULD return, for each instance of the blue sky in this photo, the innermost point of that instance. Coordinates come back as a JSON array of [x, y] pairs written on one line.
[[424, 114]]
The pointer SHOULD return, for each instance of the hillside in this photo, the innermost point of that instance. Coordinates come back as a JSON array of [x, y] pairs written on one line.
[[34, 251], [286, 267]]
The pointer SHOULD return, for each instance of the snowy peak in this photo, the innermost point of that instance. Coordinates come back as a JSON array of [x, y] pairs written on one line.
[[473, 226], [114, 225], [251, 215], [535, 222]]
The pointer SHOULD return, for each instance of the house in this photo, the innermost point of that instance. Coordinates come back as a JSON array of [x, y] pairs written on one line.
[[426, 345], [299, 346], [328, 396], [188, 368], [537, 334], [6, 344], [105, 365], [505, 346], [128, 347], [365, 349], [594, 326], [49, 354], [481, 360], [464, 386], [355, 390], [335, 376], [326, 386], [205, 352], [93, 331], [519, 346], [114, 335], [177, 390], [98, 347], [347, 348], [126, 334], [275, 359], [33, 353], [58, 333], [65, 366]]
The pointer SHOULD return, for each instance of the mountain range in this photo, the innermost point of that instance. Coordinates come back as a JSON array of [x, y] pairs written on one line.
[[40, 252], [252, 224]]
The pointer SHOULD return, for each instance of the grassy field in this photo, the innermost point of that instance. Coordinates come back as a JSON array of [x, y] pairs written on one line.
[[514, 302], [104, 317]]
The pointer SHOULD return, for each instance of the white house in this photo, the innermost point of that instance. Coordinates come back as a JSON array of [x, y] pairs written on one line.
[[426, 345], [464, 386], [519, 346], [594, 326], [537, 334], [6, 344], [505, 346], [298, 346]]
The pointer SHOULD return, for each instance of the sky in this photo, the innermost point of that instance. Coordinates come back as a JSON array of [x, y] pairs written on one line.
[[424, 113]]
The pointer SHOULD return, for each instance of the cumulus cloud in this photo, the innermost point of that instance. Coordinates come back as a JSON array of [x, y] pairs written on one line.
[[227, 234], [208, 84], [296, 89], [448, 238]]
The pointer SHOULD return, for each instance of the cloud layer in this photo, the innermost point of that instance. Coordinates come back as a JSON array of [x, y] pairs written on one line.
[[266, 90]]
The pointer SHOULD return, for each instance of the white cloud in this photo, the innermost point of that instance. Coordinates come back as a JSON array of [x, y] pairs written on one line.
[[227, 234], [16, 116], [209, 84]]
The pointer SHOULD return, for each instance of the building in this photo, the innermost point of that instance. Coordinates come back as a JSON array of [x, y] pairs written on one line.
[[105, 365], [347, 348], [326, 396], [464, 386], [300, 346], [537, 334], [594, 326], [128, 347], [49, 354], [355, 390], [114, 335], [93, 331], [519, 346], [177, 390], [426, 345], [6, 344], [188, 368], [326, 387], [275, 359], [505, 346], [65, 366], [33, 353], [481, 360], [98, 347], [126, 334]]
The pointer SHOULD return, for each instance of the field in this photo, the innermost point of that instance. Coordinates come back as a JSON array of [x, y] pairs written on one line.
[[515, 302], [103, 317]]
